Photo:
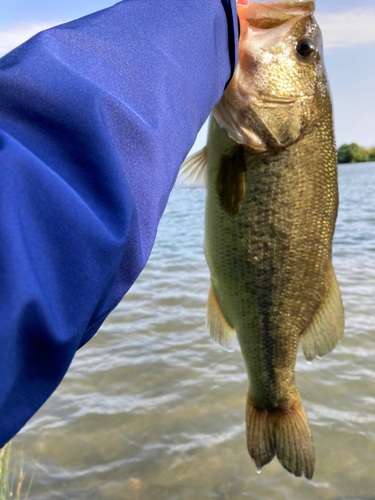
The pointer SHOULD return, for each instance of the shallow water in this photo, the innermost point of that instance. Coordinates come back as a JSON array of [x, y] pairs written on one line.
[[152, 408]]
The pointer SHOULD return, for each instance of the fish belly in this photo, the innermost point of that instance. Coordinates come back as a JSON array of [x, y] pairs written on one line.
[[270, 261], [268, 240]]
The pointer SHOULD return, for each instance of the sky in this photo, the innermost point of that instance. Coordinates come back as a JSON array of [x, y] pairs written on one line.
[[349, 45]]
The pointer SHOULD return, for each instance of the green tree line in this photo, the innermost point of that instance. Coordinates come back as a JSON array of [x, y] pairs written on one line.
[[352, 153]]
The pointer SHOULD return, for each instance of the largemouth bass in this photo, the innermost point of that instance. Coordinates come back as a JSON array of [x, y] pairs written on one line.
[[272, 198]]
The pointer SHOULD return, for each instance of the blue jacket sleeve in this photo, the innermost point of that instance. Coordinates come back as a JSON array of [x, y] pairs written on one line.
[[96, 117]]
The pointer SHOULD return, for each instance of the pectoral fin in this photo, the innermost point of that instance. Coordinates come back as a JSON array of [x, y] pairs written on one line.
[[220, 329], [327, 327], [230, 181]]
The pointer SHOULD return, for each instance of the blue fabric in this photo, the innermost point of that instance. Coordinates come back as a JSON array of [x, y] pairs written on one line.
[[96, 117], [231, 36]]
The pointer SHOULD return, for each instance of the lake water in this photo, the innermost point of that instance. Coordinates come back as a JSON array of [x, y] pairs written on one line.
[[153, 409]]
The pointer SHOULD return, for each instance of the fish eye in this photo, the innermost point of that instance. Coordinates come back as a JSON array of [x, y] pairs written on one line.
[[306, 47]]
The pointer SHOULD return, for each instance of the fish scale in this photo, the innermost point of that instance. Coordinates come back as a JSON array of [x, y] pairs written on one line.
[[271, 206], [274, 265]]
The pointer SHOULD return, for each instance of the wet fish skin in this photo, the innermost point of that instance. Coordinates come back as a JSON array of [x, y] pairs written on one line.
[[271, 271], [271, 207]]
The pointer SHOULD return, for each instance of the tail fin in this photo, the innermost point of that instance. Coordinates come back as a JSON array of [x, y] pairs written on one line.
[[285, 434]]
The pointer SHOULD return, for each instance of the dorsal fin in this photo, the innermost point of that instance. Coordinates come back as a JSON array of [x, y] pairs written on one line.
[[327, 326]]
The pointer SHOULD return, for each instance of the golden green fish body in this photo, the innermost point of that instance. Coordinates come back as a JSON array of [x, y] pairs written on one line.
[[271, 208], [270, 261]]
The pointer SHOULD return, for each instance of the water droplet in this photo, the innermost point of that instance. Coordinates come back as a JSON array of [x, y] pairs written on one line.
[[309, 362], [259, 470]]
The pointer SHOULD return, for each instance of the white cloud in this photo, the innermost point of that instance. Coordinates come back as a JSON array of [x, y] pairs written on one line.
[[343, 29], [11, 38], [347, 29]]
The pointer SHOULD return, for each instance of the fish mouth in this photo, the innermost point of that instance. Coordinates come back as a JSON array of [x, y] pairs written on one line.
[[277, 100], [272, 99]]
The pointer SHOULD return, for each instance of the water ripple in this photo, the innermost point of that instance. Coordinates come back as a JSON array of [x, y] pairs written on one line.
[[153, 409]]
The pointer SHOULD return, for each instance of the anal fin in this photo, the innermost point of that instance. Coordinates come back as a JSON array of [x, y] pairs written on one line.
[[218, 326], [327, 326]]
